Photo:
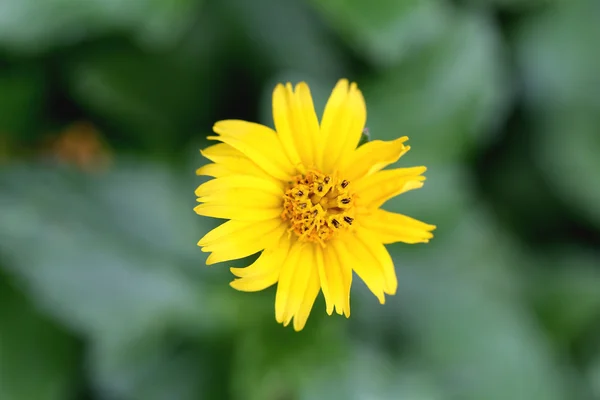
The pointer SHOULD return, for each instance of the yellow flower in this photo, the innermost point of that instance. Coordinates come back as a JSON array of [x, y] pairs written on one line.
[[310, 200]]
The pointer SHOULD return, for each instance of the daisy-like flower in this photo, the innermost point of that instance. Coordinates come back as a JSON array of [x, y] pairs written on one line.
[[307, 198]]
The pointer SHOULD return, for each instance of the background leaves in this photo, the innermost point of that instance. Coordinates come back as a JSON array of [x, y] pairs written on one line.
[[105, 295]]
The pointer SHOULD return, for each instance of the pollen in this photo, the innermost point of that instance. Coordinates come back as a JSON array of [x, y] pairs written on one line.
[[318, 206]]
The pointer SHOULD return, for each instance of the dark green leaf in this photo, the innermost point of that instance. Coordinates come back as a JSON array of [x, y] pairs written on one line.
[[153, 98], [37, 359], [276, 363], [448, 97], [557, 53], [286, 36], [21, 100], [386, 32], [564, 288]]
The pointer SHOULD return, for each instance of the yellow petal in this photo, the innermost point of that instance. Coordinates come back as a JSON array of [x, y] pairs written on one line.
[[306, 123], [214, 170], [284, 124], [227, 229], [271, 258], [372, 157], [235, 229], [310, 295], [330, 120], [259, 143], [244, 198], [342, 125], [286, 277], [363, 263], [264, 272], [391, 227], [302, 275], [219, 151], [256, 283], [339, 277], [228, 161], [245, 242], [234, 182], [376, 189], [324, 279], [297, 124], [378, 251], [242, 213]]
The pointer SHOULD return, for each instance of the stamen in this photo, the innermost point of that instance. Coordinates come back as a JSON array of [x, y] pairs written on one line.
[[310, 202]]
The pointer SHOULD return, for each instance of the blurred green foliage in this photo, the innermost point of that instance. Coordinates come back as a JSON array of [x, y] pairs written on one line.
[[104, 294]]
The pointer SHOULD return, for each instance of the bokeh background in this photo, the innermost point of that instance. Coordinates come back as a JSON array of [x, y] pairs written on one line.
[[104, 104]]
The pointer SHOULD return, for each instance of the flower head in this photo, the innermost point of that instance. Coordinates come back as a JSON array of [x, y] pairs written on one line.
[[307, 198]]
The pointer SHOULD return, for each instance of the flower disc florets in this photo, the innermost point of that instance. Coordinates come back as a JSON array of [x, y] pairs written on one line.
[[317, 206]]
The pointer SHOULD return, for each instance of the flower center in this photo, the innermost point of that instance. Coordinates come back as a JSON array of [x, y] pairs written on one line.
[[317, 206]]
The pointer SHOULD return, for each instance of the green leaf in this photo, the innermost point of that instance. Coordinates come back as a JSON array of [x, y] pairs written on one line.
[[116, 260], [444, 200], [558, 58], [272, 362], [447, 98], [116, 253], [136, 92], [386, 32], [459, 308], [559, 62], [594, 377], [475, 336], [568, 144], [564, 288], [369, 374], [284, 36], [30, 26], [21, 100], [149, 368], [38, 360], [513, 5]]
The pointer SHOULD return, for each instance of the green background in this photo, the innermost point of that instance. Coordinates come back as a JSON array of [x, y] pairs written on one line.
[[104, 294]]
